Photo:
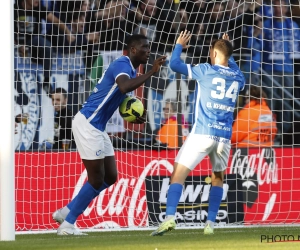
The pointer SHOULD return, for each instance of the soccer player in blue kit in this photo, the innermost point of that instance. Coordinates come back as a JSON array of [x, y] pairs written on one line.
[[93, 143], [218, 85]]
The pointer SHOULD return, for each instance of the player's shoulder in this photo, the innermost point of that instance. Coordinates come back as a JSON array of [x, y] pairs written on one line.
[[121, 61], [202, 65], [205, 66]]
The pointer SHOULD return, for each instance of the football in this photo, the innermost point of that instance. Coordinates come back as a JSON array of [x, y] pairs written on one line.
[[131, 108]]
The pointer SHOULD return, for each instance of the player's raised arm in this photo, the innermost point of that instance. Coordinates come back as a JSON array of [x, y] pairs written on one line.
[[231, 62], [175, 63], [127, 85]]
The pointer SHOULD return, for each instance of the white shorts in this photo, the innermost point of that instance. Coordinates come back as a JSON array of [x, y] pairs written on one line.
[[92, 144], [196, 147]]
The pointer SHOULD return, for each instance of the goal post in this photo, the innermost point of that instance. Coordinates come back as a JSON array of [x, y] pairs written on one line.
[[7, 180], [261, 183]]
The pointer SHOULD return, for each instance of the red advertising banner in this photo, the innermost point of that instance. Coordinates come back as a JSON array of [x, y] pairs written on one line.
[[47, 181]]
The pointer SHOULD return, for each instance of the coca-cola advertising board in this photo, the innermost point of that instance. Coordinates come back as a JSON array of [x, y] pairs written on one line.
[[47, 181]]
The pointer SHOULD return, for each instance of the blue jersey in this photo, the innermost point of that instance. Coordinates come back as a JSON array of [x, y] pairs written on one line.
[[106, 96], [216, 94]]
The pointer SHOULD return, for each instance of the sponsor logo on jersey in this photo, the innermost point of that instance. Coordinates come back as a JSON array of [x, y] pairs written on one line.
[[227, 72], [218, 126]]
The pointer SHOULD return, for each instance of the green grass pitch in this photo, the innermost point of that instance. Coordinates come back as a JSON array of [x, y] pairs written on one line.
[[223, 239]]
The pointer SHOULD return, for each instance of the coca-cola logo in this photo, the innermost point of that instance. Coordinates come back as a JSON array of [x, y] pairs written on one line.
[[263, 164], [124, 203], [255, 170]]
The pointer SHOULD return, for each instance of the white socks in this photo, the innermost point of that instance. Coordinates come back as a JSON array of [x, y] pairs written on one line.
[[65, 211], [169, 217], [210, 223], [66, 224]]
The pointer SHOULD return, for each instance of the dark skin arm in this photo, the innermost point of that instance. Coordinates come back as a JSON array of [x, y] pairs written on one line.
[[126, 84]]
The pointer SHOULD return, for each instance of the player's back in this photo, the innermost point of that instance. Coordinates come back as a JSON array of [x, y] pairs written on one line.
[[216, 95], [106, 96]]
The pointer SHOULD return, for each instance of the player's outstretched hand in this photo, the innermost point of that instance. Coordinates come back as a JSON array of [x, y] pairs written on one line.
[[225, 37], [141, 119], [158, 62], [184, 38]]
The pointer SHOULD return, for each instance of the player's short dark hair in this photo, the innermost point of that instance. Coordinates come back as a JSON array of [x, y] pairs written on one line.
[[134, 40], [224, 46], [60, 91]]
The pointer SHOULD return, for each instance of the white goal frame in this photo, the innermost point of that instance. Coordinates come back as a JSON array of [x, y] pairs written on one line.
[[7, 162]]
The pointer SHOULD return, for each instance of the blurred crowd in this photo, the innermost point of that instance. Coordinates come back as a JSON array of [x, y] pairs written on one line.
[[265, 35]]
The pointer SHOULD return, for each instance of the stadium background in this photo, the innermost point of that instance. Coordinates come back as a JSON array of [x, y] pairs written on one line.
[[264, 181]]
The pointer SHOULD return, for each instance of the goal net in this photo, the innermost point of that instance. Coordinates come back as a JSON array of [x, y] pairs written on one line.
[[62, 48]]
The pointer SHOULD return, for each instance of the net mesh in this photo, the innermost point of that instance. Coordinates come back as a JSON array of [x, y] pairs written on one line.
[[62, 48]]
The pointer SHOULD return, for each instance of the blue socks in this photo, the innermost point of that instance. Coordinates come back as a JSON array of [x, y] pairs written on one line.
[[72, 202], [104, 186], [215, 198], [86, 194], [174, 193]]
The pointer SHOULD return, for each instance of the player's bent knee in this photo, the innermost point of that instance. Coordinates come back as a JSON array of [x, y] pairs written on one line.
[[111, 172], [217, 178], [219, 175]]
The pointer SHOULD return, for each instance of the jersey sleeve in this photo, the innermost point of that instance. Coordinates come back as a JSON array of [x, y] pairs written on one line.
[[175, 62], [232, 64], [197, 71], [121, 68]]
